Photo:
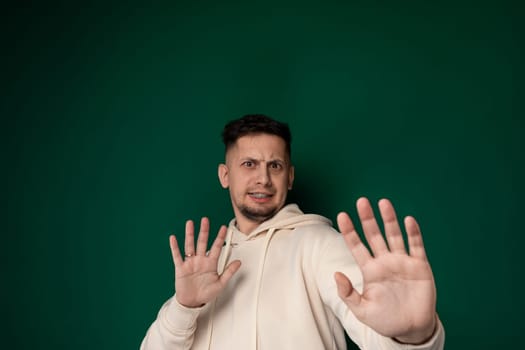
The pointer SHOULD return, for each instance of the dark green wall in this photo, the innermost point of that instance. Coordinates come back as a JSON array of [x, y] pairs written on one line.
[[111, 117]]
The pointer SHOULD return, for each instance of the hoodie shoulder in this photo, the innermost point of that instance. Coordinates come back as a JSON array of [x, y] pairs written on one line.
[[291, 216]]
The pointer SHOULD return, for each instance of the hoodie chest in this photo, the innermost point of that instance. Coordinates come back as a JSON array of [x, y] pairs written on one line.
[[284, 257]]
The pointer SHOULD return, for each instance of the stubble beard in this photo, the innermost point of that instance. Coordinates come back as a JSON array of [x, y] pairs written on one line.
[[258, 215]]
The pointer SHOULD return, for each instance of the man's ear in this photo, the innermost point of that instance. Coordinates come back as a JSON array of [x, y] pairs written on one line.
[[291, 176], [223, 175]]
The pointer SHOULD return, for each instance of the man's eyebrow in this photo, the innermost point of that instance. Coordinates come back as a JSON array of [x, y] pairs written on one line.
[[248, 159], [255, 159]]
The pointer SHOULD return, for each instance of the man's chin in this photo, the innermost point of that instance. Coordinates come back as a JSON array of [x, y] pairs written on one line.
[[258, 215]]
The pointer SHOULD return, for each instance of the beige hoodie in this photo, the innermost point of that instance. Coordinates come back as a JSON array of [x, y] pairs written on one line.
[[283, 297]]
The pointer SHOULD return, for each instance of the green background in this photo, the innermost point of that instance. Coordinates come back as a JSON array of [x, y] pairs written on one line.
[[111, 120]]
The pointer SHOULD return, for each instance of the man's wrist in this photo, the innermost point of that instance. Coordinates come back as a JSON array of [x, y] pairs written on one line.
[[188, 306], [420, 337]]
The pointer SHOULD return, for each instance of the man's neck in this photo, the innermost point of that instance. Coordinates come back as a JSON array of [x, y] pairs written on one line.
[[245, 226]]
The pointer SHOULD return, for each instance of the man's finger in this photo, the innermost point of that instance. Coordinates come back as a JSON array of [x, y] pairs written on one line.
[[346, 290], [202, 240], [216, 247], [370, 227], [189, 241], [175, 252], [393, 233], [415, 239], [229, 272], [352, 240]]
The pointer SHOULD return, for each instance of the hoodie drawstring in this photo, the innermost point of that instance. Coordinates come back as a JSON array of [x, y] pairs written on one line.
[[260, 271], [221, 265]]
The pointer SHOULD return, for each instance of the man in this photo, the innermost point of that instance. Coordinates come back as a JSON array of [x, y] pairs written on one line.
[[288, 280]]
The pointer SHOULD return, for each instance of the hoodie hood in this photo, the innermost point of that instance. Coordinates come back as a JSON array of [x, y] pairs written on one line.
[[289, 217]]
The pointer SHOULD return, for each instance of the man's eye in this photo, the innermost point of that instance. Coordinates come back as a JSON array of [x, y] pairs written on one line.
[[276, 166], [248, 164]]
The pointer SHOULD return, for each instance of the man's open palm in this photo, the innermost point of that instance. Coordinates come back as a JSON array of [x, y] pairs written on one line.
[[196, 278], [399, 295]]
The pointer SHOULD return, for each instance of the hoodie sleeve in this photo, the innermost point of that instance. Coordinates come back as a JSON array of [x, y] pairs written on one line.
[[174, 327], [335, 256]]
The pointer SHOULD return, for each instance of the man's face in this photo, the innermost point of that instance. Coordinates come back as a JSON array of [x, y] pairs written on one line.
[[258, 174]]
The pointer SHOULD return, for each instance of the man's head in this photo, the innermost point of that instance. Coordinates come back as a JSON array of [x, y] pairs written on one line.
[[258, 170]]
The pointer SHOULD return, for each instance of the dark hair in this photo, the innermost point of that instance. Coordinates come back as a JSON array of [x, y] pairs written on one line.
[[256, 124]]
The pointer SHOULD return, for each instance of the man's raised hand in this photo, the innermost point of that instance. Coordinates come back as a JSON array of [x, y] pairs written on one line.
[[399, 295], [197, 281]]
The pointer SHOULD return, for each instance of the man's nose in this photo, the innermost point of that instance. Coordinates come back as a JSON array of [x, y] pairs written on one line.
[[263, 176]]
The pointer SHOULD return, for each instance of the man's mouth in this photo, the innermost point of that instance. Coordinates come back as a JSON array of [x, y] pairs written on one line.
[[259, 195]]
